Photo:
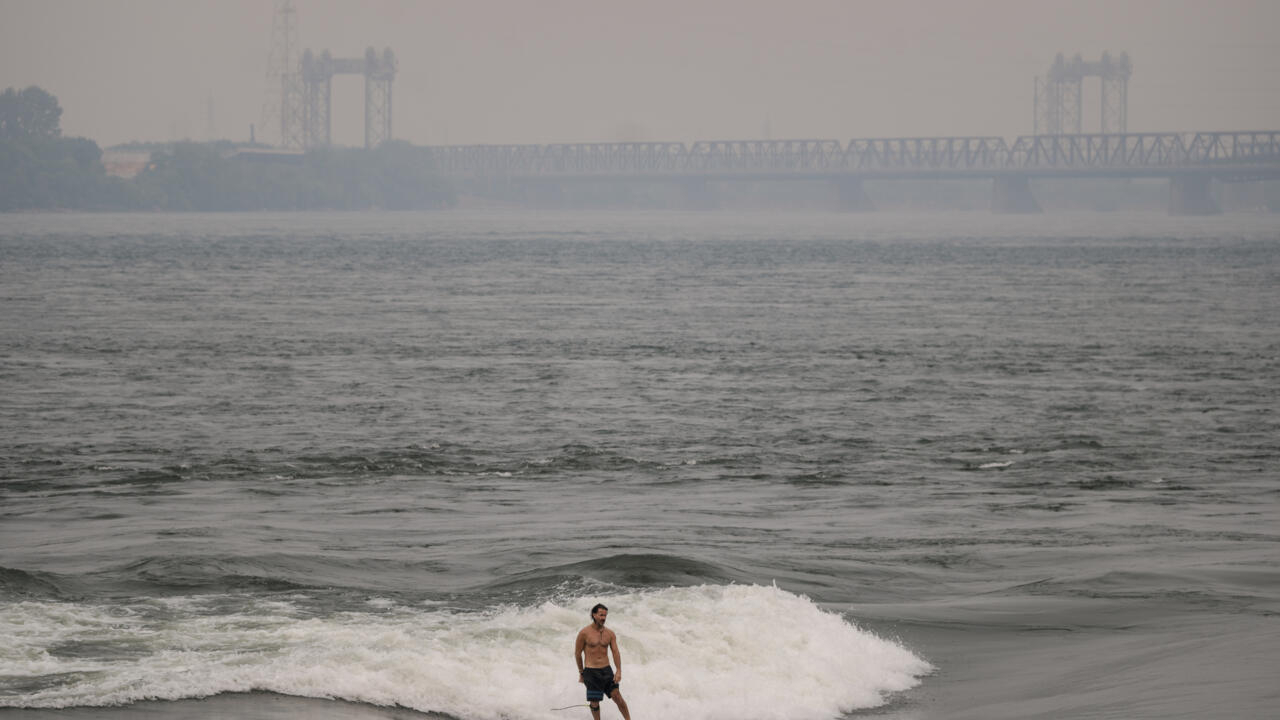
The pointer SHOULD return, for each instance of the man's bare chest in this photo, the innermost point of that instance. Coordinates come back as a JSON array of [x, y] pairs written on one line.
[[595, 639]]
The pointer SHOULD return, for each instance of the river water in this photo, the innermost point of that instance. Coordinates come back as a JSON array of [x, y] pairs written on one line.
[[819, 466]]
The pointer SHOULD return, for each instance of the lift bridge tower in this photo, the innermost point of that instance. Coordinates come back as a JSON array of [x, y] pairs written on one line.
[[299, 87], [379, 71], [1059, 95]]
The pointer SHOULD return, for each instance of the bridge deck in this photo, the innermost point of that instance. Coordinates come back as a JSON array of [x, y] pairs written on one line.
[[1227, 154]]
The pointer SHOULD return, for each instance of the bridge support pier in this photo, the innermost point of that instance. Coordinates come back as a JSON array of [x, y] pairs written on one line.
[[1011, 194], [851, 197], [1189, 195], [547, 194], [696, 194]]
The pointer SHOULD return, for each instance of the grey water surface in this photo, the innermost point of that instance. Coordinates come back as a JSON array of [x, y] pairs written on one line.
[[1041, 453]]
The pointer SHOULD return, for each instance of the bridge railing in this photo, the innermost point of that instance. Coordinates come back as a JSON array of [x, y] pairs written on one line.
[[954, 153], [736, 156], [1234, 147], [1133, 150], [638, 157]]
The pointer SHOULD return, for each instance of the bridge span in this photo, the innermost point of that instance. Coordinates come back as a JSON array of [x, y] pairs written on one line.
[[1189, 160]]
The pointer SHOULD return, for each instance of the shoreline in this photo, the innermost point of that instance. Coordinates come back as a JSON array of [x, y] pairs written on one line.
[[254, 705]]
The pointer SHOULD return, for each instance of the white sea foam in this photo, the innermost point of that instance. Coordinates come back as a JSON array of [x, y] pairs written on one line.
[[706, 652]]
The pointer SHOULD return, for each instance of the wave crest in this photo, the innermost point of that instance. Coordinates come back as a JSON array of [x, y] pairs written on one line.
[[623, 571], [695, 652]]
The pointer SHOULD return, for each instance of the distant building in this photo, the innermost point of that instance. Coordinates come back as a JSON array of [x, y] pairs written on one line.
[[125, 163], [262, 154]]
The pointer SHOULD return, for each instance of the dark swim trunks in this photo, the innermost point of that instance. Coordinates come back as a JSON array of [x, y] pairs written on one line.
[[599, 682]]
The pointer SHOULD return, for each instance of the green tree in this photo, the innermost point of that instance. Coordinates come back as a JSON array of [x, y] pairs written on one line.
[[29, 113], [41, 170]]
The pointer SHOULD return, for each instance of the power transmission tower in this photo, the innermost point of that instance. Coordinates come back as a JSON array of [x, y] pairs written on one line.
[[284, 103]]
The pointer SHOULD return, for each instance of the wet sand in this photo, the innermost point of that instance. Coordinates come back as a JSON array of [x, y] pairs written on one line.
[[1134, 668], [232, 706]]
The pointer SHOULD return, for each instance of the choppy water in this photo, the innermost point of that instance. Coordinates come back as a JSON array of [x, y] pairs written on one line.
[[817, 465]]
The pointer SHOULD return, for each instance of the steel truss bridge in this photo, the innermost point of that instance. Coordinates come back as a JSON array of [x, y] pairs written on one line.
[[1190, 160], [1128, 155]]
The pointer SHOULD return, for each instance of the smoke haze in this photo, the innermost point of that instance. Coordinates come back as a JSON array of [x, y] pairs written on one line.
[[598, 70]]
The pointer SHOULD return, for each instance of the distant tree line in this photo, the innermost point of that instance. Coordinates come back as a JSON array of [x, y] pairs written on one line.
[[42, 170], [209, 177]]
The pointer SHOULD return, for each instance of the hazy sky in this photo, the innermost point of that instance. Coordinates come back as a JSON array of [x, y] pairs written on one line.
[[503, 71]]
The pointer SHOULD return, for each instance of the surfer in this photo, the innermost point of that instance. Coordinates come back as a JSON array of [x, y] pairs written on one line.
[[595, 642]]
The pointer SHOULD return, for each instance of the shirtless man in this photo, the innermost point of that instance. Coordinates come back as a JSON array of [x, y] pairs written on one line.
[[596, 642]]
